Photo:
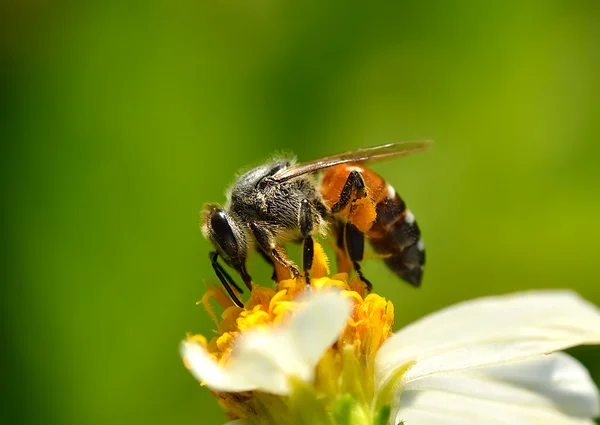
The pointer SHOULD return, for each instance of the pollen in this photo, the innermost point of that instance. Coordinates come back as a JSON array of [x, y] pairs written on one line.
[[346, 367], [363, 214]]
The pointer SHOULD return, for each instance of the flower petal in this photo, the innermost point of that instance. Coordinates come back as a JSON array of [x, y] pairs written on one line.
[[444, 408], [264, 360], [205, 369], [488, 331], [554, 387], [238, 422], [314, 331], [557, 377]]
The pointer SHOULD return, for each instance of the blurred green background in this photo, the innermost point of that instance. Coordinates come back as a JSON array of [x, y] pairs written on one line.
[[119, 120]]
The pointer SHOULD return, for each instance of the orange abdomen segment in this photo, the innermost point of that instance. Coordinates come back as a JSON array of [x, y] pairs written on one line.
[[364, 212]]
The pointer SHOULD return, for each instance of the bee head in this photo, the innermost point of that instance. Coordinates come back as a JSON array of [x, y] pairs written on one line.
[[226, 232]]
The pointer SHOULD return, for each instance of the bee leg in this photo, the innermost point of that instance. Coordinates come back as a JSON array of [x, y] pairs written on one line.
[[355, 246], [344, 265], [222, 270], [305, 220], [353, 189], [225, 279], [279, 255], [266, 243], [308, 256]]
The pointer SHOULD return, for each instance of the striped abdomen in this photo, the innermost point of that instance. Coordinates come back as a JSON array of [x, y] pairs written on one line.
[[396, 235]]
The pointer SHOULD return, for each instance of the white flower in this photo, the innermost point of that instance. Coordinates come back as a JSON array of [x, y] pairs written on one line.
[[489, 361]]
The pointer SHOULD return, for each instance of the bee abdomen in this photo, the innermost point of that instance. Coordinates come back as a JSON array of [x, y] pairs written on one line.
[[396, 235]]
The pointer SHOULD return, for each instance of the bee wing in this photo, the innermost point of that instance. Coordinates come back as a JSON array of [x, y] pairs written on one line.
[[359, 155]]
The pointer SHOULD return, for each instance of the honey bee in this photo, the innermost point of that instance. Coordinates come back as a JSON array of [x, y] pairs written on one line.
[[280, 201]]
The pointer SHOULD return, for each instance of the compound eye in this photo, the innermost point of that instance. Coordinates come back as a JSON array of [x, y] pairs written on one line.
[[223, 234]]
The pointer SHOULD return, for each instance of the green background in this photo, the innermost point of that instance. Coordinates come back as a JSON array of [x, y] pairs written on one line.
[[120, 120]]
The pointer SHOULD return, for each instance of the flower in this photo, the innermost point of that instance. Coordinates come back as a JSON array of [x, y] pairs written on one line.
[[329, 357]]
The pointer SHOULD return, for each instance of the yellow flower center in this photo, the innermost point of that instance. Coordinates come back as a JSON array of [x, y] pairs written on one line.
[[346, 368]]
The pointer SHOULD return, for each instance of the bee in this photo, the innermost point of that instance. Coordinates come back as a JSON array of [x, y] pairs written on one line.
[[280, 201]]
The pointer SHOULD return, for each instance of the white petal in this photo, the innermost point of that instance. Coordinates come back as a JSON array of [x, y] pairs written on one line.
[[443, 408], [206, 370], [267, 359], [264, 360], [554, 387], [489, 331], [238, 422], [315, 330], [557, 377]]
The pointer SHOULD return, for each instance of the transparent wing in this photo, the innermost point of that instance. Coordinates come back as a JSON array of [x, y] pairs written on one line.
[[359, 155]]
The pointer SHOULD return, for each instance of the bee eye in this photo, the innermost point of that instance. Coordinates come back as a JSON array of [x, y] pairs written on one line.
[[223, 233]]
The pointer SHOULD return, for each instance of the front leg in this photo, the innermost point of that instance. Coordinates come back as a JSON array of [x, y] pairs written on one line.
[[225, 279], [266, 243]]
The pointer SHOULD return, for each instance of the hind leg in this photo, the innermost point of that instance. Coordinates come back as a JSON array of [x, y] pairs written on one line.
[[350, 238], [354, 240], [353, 189], [344, 264]]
